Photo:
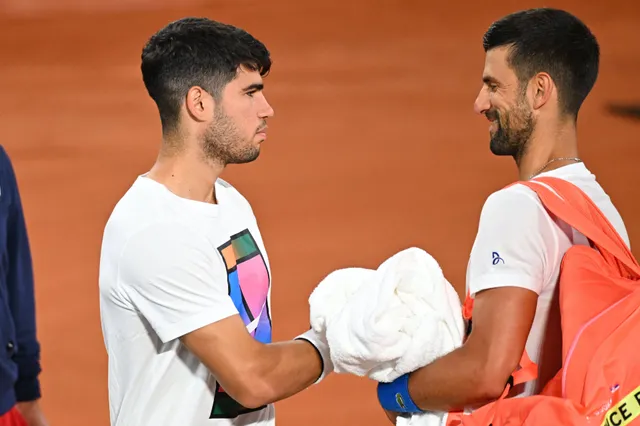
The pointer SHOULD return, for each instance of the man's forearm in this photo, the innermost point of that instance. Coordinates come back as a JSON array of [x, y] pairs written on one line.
[[478, 372], [286, 368], [453, 382], [255, 373]]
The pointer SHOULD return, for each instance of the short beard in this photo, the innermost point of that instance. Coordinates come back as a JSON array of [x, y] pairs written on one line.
[[514, 132], [222, 142]]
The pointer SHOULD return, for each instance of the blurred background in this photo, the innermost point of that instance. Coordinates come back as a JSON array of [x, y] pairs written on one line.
[[374, 147]]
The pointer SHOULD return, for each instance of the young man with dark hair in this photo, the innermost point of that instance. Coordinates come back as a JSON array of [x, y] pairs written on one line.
[[185, 280], [540, 65]]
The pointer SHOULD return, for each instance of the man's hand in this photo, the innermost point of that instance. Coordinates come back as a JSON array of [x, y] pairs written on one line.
[[32, 413]]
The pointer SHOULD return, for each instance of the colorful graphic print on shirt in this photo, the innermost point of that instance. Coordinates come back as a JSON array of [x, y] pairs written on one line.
[[249, 281]]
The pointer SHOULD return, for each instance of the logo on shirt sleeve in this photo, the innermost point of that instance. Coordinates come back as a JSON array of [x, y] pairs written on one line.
[[496, 258]]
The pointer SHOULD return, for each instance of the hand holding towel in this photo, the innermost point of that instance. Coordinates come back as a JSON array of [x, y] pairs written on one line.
[[387, 322]]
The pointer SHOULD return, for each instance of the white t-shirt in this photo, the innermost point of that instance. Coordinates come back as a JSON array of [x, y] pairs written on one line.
[[520, 244], [168, 266]]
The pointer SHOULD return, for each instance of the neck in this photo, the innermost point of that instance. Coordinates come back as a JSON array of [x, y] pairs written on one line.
[[546, 144], [186, 173]]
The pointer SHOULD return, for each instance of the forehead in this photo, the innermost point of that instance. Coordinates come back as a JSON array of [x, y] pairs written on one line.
[[496, 65], [245, 77]]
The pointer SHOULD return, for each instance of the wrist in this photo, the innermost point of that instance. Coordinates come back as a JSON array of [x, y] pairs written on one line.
[[395, 397], [322, 348], [26, 408]]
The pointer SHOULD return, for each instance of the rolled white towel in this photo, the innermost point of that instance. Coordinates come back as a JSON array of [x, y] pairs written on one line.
[[331, 295], [384, 323]]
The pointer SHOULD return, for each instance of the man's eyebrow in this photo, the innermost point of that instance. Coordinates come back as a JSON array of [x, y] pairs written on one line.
[[254, 87], [487, 79]]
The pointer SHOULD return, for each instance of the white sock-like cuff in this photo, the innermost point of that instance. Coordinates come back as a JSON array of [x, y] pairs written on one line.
[[320, 343]]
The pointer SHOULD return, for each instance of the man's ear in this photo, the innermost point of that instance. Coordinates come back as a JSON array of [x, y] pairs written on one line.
[[199, 104], [543, 88]]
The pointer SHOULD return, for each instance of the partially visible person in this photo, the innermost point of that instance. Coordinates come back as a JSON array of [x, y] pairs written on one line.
[[20, 360], [540, 65]]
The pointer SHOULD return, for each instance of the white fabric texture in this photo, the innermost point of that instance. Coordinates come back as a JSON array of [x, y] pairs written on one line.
[[386, 322], [168, 266]]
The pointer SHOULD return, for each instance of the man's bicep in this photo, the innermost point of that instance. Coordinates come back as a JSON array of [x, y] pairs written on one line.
[[175, 281], [502, 319]]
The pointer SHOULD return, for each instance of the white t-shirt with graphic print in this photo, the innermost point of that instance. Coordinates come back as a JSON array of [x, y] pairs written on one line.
[[520, 244], [168, 266]]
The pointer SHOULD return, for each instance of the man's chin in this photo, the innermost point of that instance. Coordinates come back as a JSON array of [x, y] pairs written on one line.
[[247, 158], [499, 148]]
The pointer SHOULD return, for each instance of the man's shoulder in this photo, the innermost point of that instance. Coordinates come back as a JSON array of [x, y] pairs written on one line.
[[141, 212], [234, 194], [229, 188], [224, 183], [514, 196], [133, 205]]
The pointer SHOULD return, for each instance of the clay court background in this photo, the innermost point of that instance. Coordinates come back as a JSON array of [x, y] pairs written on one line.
[[374, 147]]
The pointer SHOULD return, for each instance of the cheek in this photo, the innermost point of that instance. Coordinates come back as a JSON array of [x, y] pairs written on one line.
[[238, 110], [499, 107], [503, 109], [247, 114], [497, 101], [249, 125], [241, 120]]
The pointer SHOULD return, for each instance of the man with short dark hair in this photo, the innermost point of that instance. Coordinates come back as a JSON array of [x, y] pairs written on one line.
[[540, 65], [185, 280]]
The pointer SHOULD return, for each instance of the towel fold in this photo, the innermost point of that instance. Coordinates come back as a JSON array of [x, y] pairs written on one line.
[[387, 322]]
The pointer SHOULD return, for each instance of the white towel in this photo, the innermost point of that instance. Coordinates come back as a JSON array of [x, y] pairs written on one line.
[[387, 322]]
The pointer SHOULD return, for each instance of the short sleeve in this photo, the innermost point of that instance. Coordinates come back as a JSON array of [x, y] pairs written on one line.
[[175, 280], [515, 237]]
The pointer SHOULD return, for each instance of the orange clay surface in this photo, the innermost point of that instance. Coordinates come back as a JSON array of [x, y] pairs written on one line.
[[374, 147]]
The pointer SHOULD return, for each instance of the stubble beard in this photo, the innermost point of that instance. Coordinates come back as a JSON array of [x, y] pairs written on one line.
[[514, 132], [223, 143]]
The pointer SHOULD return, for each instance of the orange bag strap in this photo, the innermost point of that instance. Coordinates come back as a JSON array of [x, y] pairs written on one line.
[[585, 205], [528, 371], [467, 310], [467, 307], [596, 228]]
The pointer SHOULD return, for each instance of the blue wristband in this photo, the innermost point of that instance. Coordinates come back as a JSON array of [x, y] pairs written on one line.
[[395, 396]]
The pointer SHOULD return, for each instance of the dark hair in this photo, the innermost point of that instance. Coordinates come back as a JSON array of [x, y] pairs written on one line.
[[553, 41], [196, 52]]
